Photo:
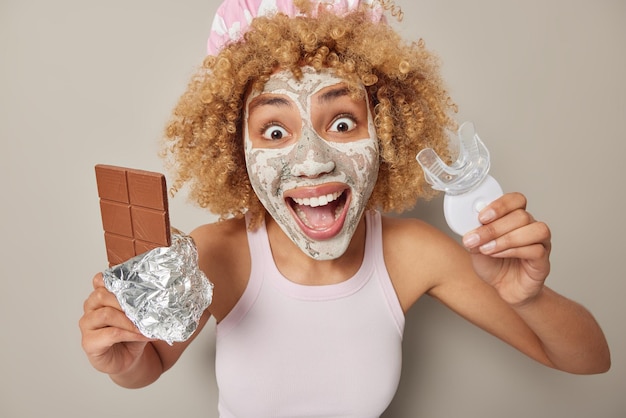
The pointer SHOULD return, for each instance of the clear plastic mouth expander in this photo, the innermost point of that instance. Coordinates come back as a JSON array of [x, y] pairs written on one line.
[[467, 185]]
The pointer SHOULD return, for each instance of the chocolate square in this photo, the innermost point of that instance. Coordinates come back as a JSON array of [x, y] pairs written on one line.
[[116, 218], [150, 225], [142, 186], [143, 246], [119, 249], [133, 205], [111, 182]]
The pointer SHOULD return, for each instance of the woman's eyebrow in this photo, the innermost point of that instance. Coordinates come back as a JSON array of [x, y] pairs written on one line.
[[266, 100], [332, 94]]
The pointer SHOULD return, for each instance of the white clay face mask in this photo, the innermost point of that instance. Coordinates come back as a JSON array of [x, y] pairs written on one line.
[[312, 158]]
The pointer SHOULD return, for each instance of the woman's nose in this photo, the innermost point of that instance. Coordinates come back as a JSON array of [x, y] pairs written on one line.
[[312, 156]]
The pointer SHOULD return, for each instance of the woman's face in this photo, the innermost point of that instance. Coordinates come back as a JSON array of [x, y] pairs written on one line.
[[312, 158]]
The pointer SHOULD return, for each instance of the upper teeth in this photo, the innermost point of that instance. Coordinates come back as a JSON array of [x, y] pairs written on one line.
[[318, 200]]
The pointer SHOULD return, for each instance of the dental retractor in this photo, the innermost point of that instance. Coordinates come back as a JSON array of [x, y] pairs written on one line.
[[467, 185]]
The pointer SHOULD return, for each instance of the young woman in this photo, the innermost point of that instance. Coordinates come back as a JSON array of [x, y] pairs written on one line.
[[300, 128]]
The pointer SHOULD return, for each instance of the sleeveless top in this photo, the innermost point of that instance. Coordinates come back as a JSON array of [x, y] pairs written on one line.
[[291, 350]]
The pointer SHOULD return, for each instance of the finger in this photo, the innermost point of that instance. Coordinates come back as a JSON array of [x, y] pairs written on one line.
[[512, 221], [108, 326], [531, 241], [98, 342], [97, 281], [99, 298], [497, 228], [107, 317], [528, 252], [505, 204]]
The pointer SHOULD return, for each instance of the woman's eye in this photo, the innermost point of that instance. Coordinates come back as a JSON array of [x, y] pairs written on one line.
[[274, 133], [343, 124]]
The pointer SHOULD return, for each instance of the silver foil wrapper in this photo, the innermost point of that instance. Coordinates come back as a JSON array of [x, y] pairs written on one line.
[[163, 292]]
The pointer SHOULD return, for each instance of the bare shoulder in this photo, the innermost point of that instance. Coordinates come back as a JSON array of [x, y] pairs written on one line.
[[418, 257], [224, 257], [219, 236]]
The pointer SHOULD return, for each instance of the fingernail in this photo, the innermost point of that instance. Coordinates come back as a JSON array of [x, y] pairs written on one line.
[[488, 246], [487, 216], [471, 240]]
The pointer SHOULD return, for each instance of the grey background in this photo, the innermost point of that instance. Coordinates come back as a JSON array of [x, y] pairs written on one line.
[[84, 82]]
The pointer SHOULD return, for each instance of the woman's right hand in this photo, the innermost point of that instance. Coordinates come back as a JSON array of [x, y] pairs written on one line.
[[111, 341]]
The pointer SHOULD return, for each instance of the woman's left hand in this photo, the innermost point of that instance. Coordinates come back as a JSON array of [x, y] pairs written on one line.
[[511, 250]]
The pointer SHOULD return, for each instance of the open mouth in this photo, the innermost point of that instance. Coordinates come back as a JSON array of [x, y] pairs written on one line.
[[320, 215]]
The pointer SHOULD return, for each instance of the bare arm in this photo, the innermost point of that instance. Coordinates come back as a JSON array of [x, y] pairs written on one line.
[[570, 336], [551, 329], [498, 286], [511, 253]]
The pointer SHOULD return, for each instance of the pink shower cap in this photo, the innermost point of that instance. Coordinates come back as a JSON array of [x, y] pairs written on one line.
[[233, 17]]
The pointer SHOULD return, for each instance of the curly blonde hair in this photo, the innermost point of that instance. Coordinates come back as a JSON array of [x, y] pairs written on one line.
[[204, 140]]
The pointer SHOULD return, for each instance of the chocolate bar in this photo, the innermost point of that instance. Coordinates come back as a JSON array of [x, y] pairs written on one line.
[[134, 209]]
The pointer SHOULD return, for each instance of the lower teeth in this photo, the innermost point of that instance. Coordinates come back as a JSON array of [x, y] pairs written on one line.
[[305, 220]]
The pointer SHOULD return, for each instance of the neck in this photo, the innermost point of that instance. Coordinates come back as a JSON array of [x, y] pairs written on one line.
[[298, 267]]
